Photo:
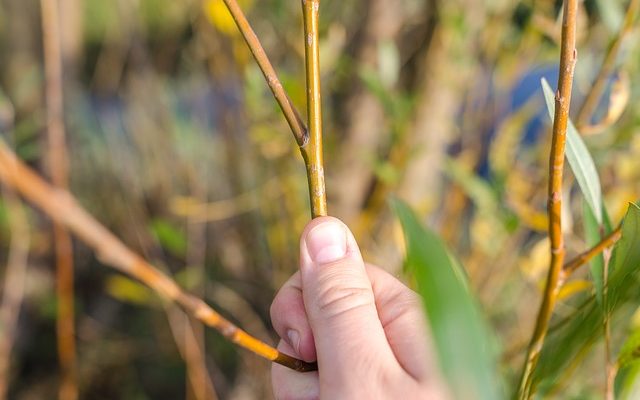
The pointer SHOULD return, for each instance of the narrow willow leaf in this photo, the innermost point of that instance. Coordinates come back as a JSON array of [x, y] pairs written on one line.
[[582, 165], [624, 278], [630, 351], [463, 341], [572, 337], [627, 385], [593, 235]]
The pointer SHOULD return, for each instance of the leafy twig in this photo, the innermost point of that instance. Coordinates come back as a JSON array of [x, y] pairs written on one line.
[[568, 55], [62, 208]]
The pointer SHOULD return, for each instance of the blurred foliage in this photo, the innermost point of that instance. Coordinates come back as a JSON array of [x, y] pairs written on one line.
[[177, 146], [462, 341]]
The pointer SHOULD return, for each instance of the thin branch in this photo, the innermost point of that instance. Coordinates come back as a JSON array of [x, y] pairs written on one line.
[[14, 280], [193, 345], [556, 165], [290, 113], [313, 150], [187, 341], [597, 89], [58, 166], [62, 208], [583, 258]]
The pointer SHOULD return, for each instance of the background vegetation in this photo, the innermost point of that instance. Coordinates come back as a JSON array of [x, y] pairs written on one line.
[[177, 146]]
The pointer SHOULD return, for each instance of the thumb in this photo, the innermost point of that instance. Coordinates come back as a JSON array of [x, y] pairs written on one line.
[[339, 300]]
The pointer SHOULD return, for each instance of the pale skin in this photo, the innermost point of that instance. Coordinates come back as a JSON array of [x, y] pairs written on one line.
[[364, 327]]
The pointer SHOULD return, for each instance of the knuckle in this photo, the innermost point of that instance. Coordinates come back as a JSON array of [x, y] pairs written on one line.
[[338, 295]]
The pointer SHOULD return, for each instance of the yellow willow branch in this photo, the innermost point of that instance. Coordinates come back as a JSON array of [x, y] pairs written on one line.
[[312, 151], [588, 255], [58, 165], [556, 165], [597, 88], [62, 208]]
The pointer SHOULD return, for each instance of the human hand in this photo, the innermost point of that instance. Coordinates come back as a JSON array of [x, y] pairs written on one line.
[[364, 327]]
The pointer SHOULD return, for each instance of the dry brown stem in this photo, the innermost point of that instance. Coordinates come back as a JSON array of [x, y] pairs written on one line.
[[556, 166], [61, 207], [14, 280], [58, 166], [199, 385]]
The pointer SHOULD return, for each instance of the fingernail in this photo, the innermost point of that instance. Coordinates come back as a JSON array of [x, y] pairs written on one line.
[[327, 243], [294, 340]]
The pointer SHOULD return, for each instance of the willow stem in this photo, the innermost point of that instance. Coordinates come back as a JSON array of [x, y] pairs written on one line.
[[568, 55], [62, 208], [312, 151], [597, 88]]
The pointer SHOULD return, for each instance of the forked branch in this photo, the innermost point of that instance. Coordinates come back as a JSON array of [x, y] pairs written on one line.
[[310, 141]]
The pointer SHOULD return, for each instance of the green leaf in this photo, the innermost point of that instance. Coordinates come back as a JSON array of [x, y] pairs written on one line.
[[627, 384], [582, 165], [625, 262], [593, 235], [463, 341], [128, 290], [571, 338], [170, 237], [630, 351]]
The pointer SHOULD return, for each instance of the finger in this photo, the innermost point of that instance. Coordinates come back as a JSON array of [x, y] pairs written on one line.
[[340, 304], [289, 319], [402, 316], [291, 385]]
